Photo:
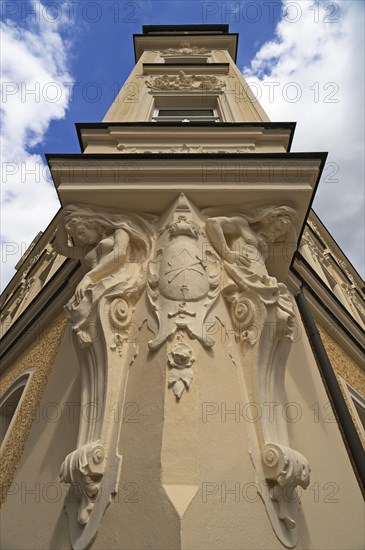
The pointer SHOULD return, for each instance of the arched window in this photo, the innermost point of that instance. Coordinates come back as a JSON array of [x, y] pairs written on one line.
[[9, 404]]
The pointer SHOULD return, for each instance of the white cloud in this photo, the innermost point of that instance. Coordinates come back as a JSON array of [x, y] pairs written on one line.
[[322, 53], [34, 58]]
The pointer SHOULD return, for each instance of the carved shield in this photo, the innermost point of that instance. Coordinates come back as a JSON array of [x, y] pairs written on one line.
[[183, 273]]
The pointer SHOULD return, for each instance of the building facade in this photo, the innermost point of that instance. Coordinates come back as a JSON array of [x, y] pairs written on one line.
[[182, 347]]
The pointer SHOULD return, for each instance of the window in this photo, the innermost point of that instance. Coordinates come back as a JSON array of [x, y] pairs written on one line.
[[179, 60], [357, 404], [9, 404], [185, 115]]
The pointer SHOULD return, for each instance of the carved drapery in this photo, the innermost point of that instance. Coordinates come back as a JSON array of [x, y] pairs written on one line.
[[115, 248]]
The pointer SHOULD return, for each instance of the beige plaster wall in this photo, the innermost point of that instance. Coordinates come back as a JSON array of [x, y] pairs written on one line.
[[39, 358], [332, 506], [162, 441], [135, 102], [234, 516], [32, 515]]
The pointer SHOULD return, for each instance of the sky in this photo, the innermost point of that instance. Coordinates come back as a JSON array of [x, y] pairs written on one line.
[[64, 61]]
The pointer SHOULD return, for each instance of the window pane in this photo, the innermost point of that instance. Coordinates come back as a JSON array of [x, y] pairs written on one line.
[[360, 411], [186, 112], [7, 411]]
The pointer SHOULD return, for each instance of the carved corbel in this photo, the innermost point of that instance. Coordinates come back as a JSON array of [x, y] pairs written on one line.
[[114, 248], [263, 319]]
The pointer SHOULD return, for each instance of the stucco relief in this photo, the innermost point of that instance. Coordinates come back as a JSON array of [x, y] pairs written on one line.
[[180, 360], [183, 81], [32, 280], [183, 148], [340, 262], [183, 285], [185, 262], [114, 248], [350, 291], [263, 318], [185, 49]]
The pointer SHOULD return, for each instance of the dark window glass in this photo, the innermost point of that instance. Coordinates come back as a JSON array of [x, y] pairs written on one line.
[[7, 411], [186, 112], [360, 411]]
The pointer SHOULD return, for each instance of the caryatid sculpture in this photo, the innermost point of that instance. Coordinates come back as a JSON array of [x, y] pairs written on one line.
[[114, 248], [263, 318]]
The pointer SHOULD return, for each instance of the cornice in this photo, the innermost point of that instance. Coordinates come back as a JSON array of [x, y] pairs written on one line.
[[40, 312], [188, 68], [211, 40], [333, 249], [222, 132], [327, 302]]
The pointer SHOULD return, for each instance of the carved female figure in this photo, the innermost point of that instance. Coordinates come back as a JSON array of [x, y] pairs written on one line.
[[114, 249], [262, 315], [243, 242]]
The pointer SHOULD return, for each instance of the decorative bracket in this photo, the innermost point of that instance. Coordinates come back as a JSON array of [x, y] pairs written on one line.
[[114, 248], [262, 315]]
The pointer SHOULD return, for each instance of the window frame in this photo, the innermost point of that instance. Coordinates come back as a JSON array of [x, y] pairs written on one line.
[[156, 118], [353, 396], [22, 381]]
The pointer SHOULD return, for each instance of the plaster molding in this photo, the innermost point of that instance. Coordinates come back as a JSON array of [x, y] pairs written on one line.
[[350, 291], [329, 252], [237, 137], [184, 148]]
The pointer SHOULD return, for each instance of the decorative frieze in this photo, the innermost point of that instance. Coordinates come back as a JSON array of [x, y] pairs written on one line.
[[184, 148], [185, 49], [183, 81], [40, 265]]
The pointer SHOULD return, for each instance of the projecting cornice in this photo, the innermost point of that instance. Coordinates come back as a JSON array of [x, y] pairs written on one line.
[[151, 182], [163, 41], [142, 137]]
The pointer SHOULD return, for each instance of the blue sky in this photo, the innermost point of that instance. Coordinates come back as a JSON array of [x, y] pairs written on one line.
[[102, 51], [84, 50]]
